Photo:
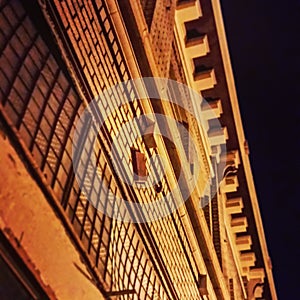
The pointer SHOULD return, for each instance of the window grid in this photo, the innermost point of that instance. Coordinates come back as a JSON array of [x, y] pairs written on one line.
[[45, 116]]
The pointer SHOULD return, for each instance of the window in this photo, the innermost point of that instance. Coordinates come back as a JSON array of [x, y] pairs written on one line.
[[16, 280]]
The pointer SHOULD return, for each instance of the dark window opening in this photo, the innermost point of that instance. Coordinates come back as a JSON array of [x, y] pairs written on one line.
[[16, 281]]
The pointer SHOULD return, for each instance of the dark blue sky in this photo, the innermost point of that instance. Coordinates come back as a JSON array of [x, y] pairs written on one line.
[[263, 39]]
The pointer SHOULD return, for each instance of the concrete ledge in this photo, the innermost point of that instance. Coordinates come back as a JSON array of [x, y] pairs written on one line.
[[25, 211]]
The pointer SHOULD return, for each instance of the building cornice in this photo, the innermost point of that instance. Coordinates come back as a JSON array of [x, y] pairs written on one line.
[[241, 140]]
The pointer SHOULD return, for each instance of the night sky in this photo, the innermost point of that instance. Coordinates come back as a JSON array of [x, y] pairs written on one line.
[[264, 43]]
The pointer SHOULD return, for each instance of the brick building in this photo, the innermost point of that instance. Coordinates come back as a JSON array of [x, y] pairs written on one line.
[[55, 58]]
